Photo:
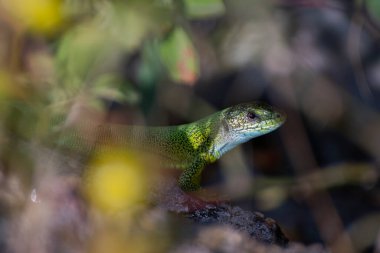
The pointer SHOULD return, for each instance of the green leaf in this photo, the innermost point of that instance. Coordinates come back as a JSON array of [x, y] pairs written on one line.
[[373, 7], [179, 57], [204, 8], [110, 87], [79, 53]]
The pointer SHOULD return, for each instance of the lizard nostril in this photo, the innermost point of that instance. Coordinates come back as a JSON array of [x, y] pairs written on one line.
[[281, 116]]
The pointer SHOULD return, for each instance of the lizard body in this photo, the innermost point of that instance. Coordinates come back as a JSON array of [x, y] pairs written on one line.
[[192, 146]]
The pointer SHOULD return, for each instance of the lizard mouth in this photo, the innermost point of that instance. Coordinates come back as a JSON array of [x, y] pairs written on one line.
[[267, 125], [274, 123]]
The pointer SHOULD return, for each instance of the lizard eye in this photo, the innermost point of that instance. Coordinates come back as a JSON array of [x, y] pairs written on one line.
[[251, 115]]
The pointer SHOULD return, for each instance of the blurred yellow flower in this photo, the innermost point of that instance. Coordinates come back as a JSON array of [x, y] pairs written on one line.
[[116, 181], [43, 16]]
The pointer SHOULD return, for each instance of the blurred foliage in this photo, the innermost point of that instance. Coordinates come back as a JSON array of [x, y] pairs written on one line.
[[64, 62], [89, 53], [374, 8], [204, 8], [179, 56]]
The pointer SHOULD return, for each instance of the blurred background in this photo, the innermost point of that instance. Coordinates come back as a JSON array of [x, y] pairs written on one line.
[[166, 62]]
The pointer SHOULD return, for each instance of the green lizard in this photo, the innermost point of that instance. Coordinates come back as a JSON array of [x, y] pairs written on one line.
[[192, 146]]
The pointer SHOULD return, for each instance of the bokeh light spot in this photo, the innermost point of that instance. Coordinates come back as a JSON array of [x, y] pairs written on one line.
[[116, 181]]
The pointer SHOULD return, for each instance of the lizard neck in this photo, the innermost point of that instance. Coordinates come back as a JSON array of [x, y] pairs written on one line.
[[225, 138], [222, 140], [210, 136]]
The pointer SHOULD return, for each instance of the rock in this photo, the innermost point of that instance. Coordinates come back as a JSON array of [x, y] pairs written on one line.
[[253, 224], [225, 239]]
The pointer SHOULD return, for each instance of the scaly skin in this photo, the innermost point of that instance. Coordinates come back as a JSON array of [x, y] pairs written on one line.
[[191, 146]]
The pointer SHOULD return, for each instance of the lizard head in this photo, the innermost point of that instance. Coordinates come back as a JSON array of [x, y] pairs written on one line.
[[249, 120]]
